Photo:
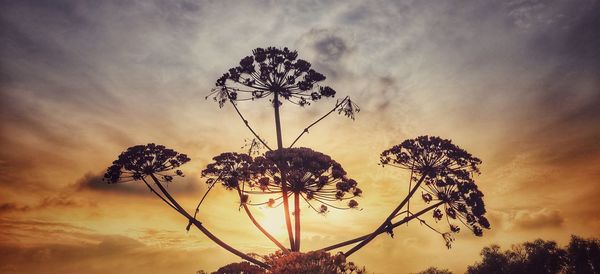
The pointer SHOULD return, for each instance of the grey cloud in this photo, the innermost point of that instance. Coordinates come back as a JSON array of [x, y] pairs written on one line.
[[94, 182], [61, 200], [327, 49], [12, 207]]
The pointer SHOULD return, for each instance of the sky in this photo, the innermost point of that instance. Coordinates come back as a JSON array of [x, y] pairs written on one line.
[[514, 82]]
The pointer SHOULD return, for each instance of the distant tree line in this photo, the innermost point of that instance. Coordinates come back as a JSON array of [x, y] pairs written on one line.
[[581, 256]]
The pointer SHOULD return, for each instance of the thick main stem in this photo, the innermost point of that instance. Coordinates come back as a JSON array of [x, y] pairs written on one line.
[[286, 205], [203, 229], [401, 222], [260, 227], [297, 220], [387, 221]]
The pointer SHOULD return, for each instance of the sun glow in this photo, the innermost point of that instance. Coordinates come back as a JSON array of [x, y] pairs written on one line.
[[273, 221]]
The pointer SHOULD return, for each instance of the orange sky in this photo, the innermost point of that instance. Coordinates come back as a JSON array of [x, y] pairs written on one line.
[[513, 82]]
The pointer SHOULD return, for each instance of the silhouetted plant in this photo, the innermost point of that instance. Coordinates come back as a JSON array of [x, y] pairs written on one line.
[[277, 73], [142, 161], [311, 262], [446, 171], [240, 268], [235, 171], [272, 71], [440, 169], [311, 175], [433, 270]]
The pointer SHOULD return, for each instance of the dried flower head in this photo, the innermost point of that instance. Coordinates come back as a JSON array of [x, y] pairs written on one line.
[[430, 156], [230, 168], [447, 173], [313, 175], [140, 161], [462, 201], [268, 71], [348, 108]]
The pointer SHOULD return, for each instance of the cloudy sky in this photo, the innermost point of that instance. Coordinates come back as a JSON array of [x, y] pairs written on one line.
[[515, 82]]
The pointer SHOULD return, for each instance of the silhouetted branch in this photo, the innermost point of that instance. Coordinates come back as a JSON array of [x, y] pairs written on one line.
[[297, 219], [248, 125], [206, 232], [388, 219], [159, 196], [401, 222], [257, 224], [318, 120]]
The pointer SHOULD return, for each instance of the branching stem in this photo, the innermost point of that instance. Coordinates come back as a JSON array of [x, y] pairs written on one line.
[[388, 220], [318, 120], [364, 237], [199, 225], [260, 227]]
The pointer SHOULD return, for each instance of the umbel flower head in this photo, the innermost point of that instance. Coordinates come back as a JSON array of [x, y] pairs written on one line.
[[140, 161], [268, 71], [313, 175], [230, 168], [447, 173], [430, 156]]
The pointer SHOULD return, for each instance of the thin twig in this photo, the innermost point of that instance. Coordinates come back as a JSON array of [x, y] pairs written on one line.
[[248, 125], [387, 221], [318, 120], [361, 238]]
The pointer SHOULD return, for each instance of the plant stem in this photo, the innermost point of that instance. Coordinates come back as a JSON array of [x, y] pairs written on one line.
[[257, 224], [362, 238], [297, 219], [286, 205], [248, 125], [204, 230], [318, 120], [387, 220]]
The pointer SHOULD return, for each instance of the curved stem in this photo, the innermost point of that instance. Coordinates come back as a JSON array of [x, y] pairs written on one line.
[[362, 238], [199, 225], [297, 220], [257, 224], [318, 120], [387, 221], [160, 196], [286, 205]]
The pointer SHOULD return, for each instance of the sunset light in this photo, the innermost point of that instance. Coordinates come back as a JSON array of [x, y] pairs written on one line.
[[299, 136]]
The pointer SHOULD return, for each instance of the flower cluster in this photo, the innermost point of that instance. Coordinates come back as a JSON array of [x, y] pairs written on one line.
[[446, 171], [242, 267], [140, 161], [430, 156], [230, 169], [311, 262], [312, 175], [268, 71]]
